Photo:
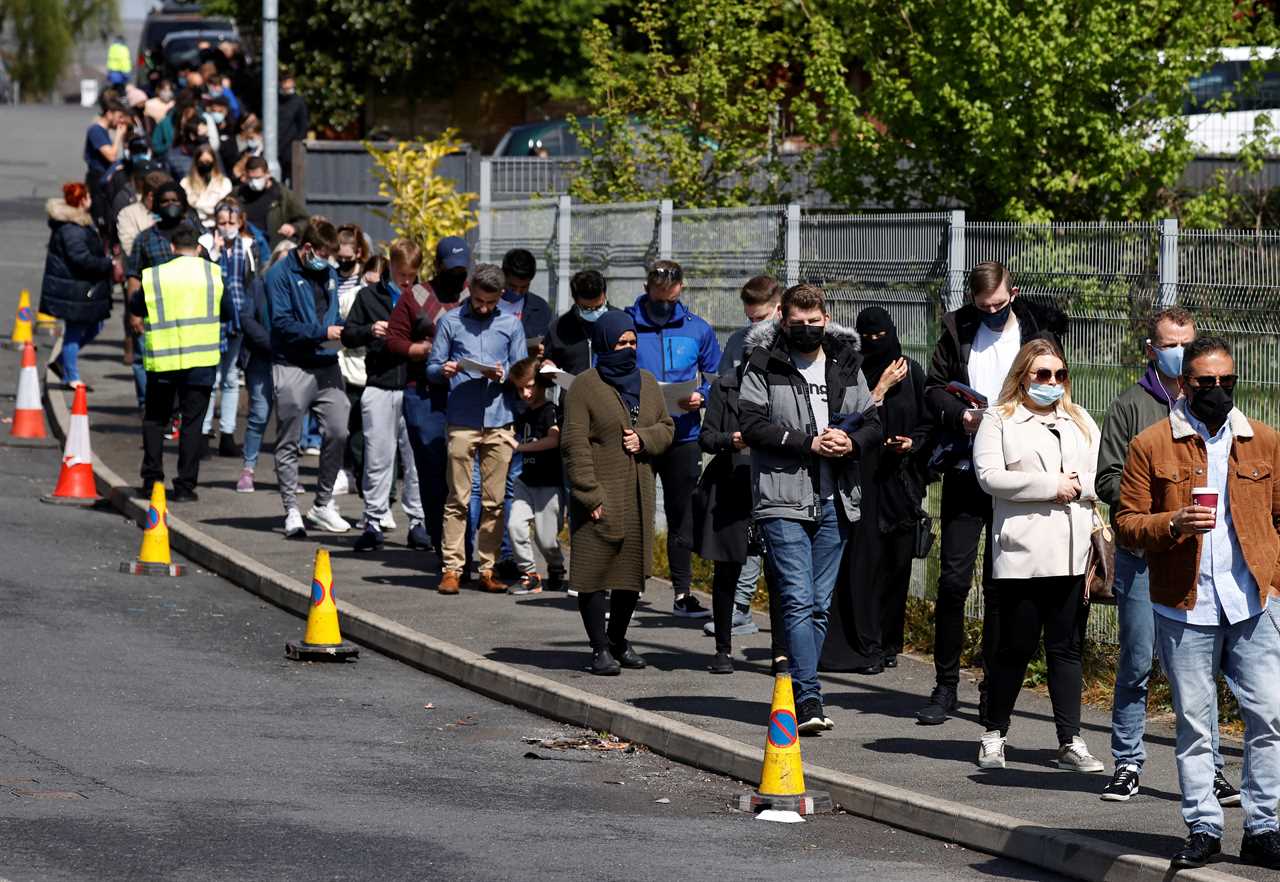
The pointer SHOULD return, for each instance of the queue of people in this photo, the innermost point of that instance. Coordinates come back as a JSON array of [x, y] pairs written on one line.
[[798, 455]]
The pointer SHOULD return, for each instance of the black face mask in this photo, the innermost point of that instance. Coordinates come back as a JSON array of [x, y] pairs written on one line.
[[997, 320], [805, 338], [346, 266], [448, 285], [170, 214], [1211, 406]]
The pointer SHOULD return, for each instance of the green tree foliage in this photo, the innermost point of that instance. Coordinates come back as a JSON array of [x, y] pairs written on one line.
[[44, 33], [1011, 109], [695, 113]]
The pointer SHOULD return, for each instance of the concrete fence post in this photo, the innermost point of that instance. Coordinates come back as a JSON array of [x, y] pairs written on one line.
[[665, 208], [956, 261], [485, 235], [793, 244], [1168, 264], [564, 241]]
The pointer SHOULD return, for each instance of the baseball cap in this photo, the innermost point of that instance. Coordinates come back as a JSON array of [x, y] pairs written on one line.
[[453, 252]]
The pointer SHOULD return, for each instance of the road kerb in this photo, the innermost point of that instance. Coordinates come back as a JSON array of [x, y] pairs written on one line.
[[1064, 852]]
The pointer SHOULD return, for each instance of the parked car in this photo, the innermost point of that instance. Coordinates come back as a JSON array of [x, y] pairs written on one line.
[[173, 18]]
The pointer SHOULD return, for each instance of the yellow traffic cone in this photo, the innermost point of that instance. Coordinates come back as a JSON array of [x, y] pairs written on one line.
[[782, 796], [22, 322], [322, 640], [153, 557]]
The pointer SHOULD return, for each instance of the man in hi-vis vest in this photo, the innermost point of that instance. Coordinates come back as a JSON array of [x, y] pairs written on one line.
[[179, 310]]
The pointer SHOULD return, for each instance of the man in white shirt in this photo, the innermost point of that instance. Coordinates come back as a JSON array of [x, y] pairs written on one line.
[[977, 347]]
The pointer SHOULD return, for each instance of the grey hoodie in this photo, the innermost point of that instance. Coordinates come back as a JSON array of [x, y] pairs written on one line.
[[778, 426]]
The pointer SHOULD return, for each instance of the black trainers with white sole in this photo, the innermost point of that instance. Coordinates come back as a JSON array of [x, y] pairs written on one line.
[[809, 717], [1123, 785]]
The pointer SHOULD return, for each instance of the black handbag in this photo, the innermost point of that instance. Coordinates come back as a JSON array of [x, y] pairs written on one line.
[[924, 537]]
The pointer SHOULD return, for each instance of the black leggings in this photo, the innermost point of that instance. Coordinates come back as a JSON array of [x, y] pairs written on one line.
[[619, 604], [1029, 607], [678, 468]]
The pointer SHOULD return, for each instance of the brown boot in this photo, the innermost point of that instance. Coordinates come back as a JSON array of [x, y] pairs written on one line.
[[491, 583], [449, 582]]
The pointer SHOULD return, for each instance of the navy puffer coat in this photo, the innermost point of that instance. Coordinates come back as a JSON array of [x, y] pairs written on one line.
[[77, 271]]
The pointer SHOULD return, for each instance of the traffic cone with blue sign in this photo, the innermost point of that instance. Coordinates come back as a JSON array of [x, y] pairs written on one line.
[[153, 558], [22, 322], [322, 640], [782, 796]]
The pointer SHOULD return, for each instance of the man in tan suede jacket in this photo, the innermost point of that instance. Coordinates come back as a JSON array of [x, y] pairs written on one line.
[[1215, 567]]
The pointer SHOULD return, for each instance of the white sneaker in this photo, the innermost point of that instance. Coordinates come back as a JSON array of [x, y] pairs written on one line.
[[293, 526], [1074, 756], [342, 483], [327, 518], [991, 750]]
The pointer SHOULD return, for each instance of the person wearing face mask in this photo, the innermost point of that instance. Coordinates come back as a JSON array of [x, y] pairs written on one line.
[[806, 414], [615, 424], [976, 347], [1142, 405], [677, 346], [205, 184], [138, 216], [1036, 454], [1198, 496], [384, 431], [293, 121], [567, 346], [152, 248], [479, 416], [410, 332], [273, 209], [302, 291], [158, 107], [868, 613], [353, 251]]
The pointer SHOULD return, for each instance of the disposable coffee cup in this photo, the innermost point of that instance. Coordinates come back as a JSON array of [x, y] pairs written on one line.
[[1206, 497]]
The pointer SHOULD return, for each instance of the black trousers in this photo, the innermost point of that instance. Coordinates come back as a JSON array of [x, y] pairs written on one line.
[[167, 392], [1054, 607], [893, 583], [678, 468], [966, 514]]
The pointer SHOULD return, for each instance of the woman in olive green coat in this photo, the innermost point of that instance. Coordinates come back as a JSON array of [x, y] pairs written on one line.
[[615, 420]]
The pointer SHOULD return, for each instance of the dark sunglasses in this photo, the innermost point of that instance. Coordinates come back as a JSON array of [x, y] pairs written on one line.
[[233, 210], [1226, 381], [666, 275], [1044, 375]]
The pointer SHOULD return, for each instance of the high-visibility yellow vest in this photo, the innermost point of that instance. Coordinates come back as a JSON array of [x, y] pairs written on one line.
[[182, 327], [119, 59]]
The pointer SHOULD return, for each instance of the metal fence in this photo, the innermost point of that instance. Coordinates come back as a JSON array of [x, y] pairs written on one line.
[[1106, 277]]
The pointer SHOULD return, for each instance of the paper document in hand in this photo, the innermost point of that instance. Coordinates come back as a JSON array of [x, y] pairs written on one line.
[[674, 393], [563, 379], [474, 367]]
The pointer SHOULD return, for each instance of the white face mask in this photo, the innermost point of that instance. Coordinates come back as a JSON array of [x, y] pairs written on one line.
[[229, 232], [258, 184]]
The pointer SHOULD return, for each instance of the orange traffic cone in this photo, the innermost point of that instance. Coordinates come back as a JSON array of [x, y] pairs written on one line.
[[28, 415], [75, 481], [782, 796], [153, 558], [22, 321], [322, 640]]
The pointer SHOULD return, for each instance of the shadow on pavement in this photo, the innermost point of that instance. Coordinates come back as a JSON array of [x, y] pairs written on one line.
[[719, 706]]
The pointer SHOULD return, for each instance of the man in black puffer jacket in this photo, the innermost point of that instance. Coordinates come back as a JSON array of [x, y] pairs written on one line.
[[77, 277]]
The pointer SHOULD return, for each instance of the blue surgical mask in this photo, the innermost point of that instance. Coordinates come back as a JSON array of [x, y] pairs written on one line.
[[1169, 361], [317, 264], [1045, 395], [512, 296], [590, 315], [182, 82], [218, 117], [997, 320]]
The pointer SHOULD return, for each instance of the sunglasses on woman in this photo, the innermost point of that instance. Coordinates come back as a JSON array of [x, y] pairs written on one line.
[[1226, 381], [1044, 375], [233, 210]]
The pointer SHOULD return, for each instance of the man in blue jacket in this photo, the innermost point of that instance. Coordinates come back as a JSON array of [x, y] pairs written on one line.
[[474, 347], [676, 346], [302, 290]]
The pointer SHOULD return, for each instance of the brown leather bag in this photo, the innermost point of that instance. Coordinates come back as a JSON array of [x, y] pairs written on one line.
[[1100, 574]]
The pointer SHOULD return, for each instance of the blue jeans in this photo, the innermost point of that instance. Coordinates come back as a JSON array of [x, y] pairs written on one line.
[[809, 554], [473, 512], [1133, 668], [227, 389], [310, 432], [74, 336], [1248, 654], [427, 427], [257, 379]]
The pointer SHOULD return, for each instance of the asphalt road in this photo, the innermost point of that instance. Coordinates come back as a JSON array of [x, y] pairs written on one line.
[[152, 729]]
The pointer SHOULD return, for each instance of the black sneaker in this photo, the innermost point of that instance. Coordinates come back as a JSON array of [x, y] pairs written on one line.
[[1124, 784], [181, 494], [419, 539], [628, 657], [508, 570], [1227, 795], [688, 607], [555, 581], [781, 665], [809, 717], [890, 661], [227, 446], [721, 664], [1198, 849], [942, 703], [1261, 850], [603, 664], [370, 539]]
